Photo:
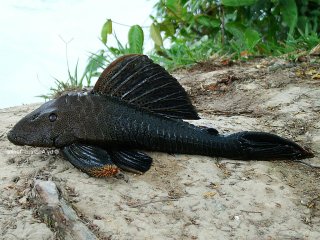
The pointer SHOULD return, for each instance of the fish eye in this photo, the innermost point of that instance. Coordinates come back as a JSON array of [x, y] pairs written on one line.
[[52, 117]]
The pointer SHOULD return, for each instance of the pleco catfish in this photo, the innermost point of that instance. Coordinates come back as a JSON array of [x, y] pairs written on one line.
[[137, 105]]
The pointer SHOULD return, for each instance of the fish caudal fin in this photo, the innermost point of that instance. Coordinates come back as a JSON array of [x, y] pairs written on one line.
[[266, 146]]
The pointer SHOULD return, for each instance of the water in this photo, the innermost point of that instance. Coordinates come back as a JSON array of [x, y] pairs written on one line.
[[32, 40]]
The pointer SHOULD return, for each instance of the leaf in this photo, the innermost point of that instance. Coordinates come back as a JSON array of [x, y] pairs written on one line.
[[167, 27], [289, 11], [303, 23], [207, 21], [106, 29], [136, 38], [252, 37], [96, 61], [155, 34], [245, 54], [209, 194], [175, 7], [236, 29], [114, 51], [315, 51], [238, 3]]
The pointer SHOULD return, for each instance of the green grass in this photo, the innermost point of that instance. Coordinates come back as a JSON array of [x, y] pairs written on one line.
[[76, 81]]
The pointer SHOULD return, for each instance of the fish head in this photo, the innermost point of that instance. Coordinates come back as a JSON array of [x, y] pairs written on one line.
[[46, 126]]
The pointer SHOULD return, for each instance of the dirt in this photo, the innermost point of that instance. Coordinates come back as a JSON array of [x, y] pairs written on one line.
[[183, 196]]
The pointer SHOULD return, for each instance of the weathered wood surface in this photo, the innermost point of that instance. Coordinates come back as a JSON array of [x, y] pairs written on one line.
[[56, 213]]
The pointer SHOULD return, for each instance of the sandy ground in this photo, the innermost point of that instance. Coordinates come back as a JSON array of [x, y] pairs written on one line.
[[183, 196]]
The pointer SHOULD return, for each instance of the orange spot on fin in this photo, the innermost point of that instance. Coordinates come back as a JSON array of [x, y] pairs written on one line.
[[105, 171]]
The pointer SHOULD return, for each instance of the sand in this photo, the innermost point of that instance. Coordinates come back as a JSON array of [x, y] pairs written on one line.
[[184, 196]]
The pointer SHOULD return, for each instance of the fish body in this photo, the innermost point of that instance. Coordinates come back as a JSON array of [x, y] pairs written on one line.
[[136, 105]]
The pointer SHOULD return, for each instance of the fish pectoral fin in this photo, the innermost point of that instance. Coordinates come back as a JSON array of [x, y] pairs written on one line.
[[92, 160], [99, 162], [131, 160]]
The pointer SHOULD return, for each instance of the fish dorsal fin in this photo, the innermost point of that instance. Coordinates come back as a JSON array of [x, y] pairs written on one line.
[[137, 80]]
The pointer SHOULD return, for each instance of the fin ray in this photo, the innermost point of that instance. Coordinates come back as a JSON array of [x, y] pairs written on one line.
[[92, 160], [99, 162], [130, 160], [137, 80]]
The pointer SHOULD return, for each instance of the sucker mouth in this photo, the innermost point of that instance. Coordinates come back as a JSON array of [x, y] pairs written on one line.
[[20, 140], [12, 137]]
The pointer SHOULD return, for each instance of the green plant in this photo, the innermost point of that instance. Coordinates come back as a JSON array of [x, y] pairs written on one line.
[[189, 31], [243, 27], [134, 45], [98, 61], [75, 82]]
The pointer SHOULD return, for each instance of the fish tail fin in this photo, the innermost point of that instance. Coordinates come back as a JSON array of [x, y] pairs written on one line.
[[264, 146]]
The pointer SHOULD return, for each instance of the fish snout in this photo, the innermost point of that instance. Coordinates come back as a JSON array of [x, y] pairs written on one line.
[[30, 139], [12, 137]]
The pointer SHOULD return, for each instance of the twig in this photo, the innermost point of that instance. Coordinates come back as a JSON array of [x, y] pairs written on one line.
[[268, 176], [251, 211], [127, 25], [222, 26], [232, 113], [307, 164], [16, 213], [232, 163], [154, 201]]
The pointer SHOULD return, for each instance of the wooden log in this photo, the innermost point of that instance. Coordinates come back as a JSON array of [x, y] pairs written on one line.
[[57, 214]]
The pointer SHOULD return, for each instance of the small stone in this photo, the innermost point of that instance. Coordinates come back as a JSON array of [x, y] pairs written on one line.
[[303, 202]]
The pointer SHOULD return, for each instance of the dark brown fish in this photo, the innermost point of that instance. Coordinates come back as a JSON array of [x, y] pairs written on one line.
[[137, 105]]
